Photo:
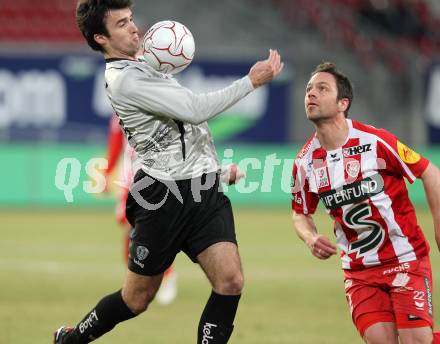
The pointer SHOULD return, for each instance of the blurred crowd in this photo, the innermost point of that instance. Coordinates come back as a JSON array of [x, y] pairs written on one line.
[[45, 21], [376, 30]]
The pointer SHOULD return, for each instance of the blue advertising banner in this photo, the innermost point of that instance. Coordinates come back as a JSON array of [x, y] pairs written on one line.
[[62, 99]]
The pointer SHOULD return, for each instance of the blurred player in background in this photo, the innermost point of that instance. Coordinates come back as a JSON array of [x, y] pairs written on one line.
[[358, 173], [175, 203], [117, 146]]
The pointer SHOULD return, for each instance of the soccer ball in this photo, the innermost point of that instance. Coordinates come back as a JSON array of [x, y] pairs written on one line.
[[168, 47]]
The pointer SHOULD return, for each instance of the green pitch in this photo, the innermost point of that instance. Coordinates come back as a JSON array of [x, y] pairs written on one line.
[[56, 264]]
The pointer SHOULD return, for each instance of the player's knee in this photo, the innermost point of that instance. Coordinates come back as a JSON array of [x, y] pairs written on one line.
[[139, 303], [376, 338], [418, 338], [428, 338], [380, 335], [420, 335], [231, 285]]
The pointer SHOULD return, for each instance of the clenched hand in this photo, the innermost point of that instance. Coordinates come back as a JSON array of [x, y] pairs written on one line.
[[322, 247]]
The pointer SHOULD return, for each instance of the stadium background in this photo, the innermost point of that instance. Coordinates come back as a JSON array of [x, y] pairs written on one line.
[[59, 254]]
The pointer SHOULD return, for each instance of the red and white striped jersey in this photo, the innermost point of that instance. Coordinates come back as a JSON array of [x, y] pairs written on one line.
[[362, 187]]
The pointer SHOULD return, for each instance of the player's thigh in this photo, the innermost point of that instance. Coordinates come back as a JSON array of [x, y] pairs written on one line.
[[213, 223], [222, 265], [412, 302], [139, 290], [380, 333], [418, 335], [158, 234], [369, 305], [212, 242]]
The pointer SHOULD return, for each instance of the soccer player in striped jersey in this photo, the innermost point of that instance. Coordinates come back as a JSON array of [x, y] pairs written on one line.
[[359, 172]]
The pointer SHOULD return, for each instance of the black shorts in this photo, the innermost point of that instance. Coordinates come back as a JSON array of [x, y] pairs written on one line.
[[169, 217]]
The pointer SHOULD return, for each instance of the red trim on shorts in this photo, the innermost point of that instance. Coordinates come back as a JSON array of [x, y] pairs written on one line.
[[364, 321]]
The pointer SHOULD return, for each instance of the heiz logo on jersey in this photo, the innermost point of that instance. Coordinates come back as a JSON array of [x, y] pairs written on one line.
[[356, 150]]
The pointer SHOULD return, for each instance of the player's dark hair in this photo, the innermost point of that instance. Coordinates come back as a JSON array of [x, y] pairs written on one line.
[[90, 18], [345, 89]]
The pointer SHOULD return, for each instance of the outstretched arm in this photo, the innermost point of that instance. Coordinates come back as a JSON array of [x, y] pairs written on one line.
[[166, 97], [320, 246], [431, 182]]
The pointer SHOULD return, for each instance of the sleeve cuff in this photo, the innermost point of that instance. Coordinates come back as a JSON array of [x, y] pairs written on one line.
[[248, 82]]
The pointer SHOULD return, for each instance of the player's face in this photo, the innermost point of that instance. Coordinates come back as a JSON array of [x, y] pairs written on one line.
[[123, 40], [321, 97]]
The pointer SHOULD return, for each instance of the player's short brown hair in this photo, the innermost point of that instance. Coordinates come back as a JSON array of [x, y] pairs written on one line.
[[90, 16], [345, 88]]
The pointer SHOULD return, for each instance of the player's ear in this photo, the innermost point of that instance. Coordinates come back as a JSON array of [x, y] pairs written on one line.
[[100, 39], [343, 104]]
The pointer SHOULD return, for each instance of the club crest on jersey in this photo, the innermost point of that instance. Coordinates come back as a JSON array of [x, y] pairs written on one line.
[[407, 154], [321, 176], [356, 150], [352, 168]]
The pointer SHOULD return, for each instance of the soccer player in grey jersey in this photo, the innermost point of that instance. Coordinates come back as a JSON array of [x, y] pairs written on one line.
[[164, 121], [178, 206]]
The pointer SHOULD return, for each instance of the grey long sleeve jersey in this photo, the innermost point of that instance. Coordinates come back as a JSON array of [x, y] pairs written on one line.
[[165, 122]]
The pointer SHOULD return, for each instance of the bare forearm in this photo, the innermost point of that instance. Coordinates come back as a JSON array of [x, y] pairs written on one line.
[[320, 246], [431, 183], [304, 227]]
